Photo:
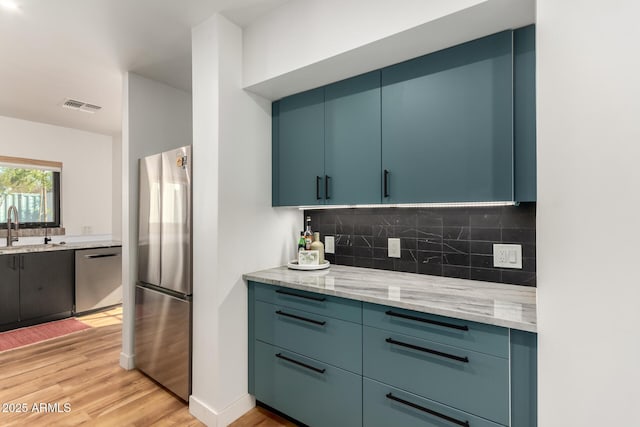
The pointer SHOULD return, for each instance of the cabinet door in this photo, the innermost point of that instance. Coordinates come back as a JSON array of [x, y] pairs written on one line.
[[9, 289], [300, 149], [447, 124], [385, 406], [46, 283], [352, 141], [317, 394]]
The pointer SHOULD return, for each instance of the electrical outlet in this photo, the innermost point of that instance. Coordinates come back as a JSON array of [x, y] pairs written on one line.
[[394, 248], [507, 256], [329, 244]]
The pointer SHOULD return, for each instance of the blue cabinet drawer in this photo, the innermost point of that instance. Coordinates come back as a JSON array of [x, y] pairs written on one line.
[[459, 333], [312, 302], [330, 340], [312, 392], [385, 406], [473, 382]]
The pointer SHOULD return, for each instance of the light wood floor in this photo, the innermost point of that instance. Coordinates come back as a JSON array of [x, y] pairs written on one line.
[[260, 417], [82, 370]]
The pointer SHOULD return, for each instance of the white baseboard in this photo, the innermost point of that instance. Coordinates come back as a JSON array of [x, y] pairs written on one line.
[[202, 412], [222, 419], [127, 361], [236, 410]]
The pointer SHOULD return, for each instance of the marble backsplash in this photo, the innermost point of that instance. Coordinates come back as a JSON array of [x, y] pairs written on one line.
[[452, 242]]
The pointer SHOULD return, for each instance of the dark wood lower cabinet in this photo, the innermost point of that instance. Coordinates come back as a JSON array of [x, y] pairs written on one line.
[[36, 287]]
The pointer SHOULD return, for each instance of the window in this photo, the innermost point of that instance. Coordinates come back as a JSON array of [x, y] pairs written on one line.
[[33, 187]]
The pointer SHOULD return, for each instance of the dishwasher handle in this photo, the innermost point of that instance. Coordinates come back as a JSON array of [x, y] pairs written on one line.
[[92, 256]]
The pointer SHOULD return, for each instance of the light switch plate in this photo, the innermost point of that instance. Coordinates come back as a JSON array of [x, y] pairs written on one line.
[[507, 256], [329, 244], [394, 248]]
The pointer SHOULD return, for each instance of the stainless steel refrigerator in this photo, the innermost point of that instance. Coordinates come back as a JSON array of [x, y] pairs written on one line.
[[163, 290]]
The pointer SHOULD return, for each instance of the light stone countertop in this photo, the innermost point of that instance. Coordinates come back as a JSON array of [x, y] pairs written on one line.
[[510, 306], [21, 249]]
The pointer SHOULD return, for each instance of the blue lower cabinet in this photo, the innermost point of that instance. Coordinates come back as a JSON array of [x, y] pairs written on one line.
[[524, 382], [312, 392], [473, 382], [385, 406], [330, 361], [334, 341]]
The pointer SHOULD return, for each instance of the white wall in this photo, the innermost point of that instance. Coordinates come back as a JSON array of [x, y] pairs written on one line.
[[588, 96], [328, 28], [156, 118], [304, 44], [588, 103], [236, 230], [86, 179], [116, 219]]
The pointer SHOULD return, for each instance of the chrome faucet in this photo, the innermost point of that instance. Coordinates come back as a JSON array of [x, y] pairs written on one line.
[[10, 225]]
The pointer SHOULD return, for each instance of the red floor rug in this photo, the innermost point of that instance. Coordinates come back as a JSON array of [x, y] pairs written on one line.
[[34, 334]]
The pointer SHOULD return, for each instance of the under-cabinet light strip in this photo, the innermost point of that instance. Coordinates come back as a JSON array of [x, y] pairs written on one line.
[[413, 205]]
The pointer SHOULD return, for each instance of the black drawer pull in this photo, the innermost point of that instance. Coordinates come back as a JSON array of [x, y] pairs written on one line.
[[432, 322], [428, 411], [291, 294], [304, 319], [304, 365], [428, 350]]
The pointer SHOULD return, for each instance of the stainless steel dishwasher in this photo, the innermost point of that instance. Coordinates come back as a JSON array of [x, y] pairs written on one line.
[[98, 278]]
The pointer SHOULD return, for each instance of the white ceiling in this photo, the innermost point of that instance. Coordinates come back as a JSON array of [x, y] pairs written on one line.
[[54, 49]]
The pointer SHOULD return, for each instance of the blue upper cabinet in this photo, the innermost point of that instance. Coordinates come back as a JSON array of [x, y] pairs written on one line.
[[524, 86], [458, 125], [447, 124], [352, 140], [298, 149]]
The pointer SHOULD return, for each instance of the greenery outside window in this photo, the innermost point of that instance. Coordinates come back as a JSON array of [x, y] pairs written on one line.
[[33, 187]]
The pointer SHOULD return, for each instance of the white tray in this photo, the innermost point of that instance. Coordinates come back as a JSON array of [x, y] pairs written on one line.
[[294, 266]]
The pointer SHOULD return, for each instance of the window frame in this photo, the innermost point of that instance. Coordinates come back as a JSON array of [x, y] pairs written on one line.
[[56, 169]]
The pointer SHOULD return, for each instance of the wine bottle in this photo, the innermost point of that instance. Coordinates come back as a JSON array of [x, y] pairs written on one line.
[[308, 234]]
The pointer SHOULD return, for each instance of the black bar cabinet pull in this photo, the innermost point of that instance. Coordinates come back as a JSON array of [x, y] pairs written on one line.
[[21, 262], [326, 186], [318, 179], [428, 411], [291, 294], [386, 183], [304, 319], [427, 350], [13, 262], [304, 365], [431, 322], [100, 256]]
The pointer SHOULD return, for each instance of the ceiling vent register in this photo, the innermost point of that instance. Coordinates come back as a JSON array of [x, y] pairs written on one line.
[[73, 104]]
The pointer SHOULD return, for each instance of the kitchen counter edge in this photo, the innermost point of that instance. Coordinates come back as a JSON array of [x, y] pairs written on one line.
[[58, 247], [509, 306]]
